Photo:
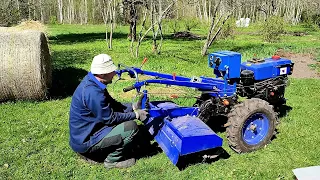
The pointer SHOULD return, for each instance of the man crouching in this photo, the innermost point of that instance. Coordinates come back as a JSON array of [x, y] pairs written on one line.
[[102, 129]]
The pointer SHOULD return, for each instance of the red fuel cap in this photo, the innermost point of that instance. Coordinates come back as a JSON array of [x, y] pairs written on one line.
[[276, 57]]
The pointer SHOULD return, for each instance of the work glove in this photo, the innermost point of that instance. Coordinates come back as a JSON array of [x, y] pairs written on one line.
[[138, 104], [142, 115]]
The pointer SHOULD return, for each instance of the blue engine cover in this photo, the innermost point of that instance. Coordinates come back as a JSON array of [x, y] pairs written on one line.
[[226, 61], [269, 68]]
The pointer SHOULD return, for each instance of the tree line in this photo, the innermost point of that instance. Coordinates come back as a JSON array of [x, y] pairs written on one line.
[[150, 15], [126, 11]]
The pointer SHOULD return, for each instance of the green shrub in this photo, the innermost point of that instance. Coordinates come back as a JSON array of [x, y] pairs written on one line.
[[174, 25], [53, 20], [316, 19], [190, 23], [272, 28], [228, 29], [312, 22], [310, 17]]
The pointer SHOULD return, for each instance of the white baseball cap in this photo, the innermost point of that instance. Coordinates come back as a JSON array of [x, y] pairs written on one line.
[[102, 64]]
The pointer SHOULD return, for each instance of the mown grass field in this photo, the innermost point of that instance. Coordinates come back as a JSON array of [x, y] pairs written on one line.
[[34, 135]]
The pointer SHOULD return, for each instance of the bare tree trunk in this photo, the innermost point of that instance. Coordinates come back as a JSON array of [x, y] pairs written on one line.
[[93, 10], [219, 30], [199, 10], [154, 37], [161, 37], [205, 12], [177, 11], [73, 14], [104, 14], [103, 11], [209, 16], [161, 16], [41, 11], [34, 10], [160, 29], [81, 12], [212, 27], [183, 12], [69, 11], [106, 11], [18, 5], [29, 10], [133, 21], [112, 13], [85, 12], [60, 11], [140, 34]]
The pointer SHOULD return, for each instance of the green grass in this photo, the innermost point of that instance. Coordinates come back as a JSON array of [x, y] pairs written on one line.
[[34, 135]]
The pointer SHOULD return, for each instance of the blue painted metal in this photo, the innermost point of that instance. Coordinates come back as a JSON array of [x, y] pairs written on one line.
[[255, 129], [177, 137], [144, 99], [269, 68], [161, 75], [162, 109], [176, 129], [220, 88], [227, 62]]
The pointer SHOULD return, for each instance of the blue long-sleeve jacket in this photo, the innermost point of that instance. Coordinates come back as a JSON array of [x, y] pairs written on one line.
[[93, 114]]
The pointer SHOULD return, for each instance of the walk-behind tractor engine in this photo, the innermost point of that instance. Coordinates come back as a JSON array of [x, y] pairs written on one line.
[[250, 124]]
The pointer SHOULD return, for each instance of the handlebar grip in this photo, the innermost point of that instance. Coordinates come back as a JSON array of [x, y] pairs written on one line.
[[126, 89]]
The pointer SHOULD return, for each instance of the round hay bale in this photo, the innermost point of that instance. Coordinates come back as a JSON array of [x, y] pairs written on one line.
[[25, 66]]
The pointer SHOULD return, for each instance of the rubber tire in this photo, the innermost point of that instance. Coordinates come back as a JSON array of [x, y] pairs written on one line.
[[238, 116]]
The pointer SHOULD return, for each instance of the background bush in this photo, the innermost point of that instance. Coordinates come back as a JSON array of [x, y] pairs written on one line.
[[272, 29], [228, 30], [190, 23]]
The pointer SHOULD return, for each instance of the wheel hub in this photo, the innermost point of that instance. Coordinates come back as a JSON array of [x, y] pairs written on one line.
[[255, 129]]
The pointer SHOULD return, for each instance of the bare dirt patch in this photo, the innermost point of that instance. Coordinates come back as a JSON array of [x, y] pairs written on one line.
[[301, 64]]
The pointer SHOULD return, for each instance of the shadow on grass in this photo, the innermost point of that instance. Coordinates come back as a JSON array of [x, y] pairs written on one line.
[[85, 37], [171, 36], [283, 110], [65, 81], [64, 39], [207, 156], [67, 58]]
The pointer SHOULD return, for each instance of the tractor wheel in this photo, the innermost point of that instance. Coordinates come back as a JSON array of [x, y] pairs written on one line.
[[251, 125]]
